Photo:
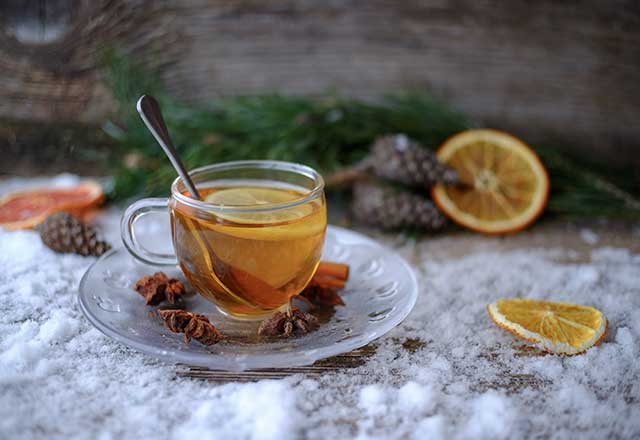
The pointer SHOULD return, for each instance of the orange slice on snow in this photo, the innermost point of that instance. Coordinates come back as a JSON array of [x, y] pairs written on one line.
[[503, 185], [25, 210], [555, 327]]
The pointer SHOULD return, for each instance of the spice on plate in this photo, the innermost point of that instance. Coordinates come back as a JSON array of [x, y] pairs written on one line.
[[194, 326], [325, 284], [158, 288], [288, 323], [322, 296]]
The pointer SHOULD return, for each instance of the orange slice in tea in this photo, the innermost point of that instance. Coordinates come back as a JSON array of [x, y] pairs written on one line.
[[556, 327], [256, 196], [25, 210], [503, 185], [250, 195], [295, 221]]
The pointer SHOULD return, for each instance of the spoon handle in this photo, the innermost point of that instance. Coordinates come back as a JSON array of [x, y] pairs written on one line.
[[151, 114]]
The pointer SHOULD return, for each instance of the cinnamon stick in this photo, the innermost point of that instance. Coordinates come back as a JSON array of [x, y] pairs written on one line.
[[327, 281], [333, 270]]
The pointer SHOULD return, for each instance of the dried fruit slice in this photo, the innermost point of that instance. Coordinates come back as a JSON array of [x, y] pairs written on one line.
[[503, 185], [556, 327], [24, 210]]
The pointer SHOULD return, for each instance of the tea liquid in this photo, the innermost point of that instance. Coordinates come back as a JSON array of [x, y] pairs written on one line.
[[250, 263]]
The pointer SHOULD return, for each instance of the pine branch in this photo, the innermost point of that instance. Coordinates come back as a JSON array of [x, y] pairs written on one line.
[[579, 192], [329, 134]]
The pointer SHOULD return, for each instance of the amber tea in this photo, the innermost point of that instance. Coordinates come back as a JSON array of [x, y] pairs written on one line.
[[256, 250]]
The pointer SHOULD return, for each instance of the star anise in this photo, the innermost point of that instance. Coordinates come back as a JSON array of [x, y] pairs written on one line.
[[193, 326], [174, 289], [288, 323], [322, 296], [159, 287]]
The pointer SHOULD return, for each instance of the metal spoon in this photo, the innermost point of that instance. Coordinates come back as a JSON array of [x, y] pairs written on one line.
[[151, 114]]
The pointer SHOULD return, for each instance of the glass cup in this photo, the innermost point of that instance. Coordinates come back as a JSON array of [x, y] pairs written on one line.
[[252, 243]]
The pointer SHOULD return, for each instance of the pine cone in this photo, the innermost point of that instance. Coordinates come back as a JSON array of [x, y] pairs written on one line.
[[387, 207], [398, 158], [66, 234]]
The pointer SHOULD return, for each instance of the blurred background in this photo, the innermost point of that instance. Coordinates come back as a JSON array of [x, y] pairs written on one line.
[[564, 75]]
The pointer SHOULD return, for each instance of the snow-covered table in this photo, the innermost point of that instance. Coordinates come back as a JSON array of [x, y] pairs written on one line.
[[446, 372]]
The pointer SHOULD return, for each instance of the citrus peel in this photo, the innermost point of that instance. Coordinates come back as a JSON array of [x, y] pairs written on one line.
[[558, 328], [27, 209], [503, 186]]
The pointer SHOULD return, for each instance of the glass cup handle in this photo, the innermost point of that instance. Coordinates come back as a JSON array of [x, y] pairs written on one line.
[[131, 215]]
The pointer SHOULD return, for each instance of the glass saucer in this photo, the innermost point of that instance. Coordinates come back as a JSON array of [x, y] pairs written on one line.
[[380, 293]]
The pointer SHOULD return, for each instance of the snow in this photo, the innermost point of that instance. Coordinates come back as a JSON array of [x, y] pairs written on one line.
[[433, 427], [264, 411], [491, 417], [61, 378], [416, 398], [588, 236]]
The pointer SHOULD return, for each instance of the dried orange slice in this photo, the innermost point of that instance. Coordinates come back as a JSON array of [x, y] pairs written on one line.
[[556, 327], [503, 185], [25, 210]]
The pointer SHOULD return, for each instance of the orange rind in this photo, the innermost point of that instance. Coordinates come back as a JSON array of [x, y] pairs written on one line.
[[27, 209], [558, 328], [503, 186]]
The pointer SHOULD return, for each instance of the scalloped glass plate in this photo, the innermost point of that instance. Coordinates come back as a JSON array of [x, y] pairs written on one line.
[[380, 293]]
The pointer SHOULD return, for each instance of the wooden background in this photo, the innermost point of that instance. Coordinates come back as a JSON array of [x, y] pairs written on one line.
[[563, 73]]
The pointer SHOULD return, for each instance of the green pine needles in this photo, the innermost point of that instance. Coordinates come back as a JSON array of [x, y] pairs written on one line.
[[328, 134]]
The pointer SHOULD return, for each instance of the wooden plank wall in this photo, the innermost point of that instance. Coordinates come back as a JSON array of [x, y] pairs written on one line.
[[564, 73]]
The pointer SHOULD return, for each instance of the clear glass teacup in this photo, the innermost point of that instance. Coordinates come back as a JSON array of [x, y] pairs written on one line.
[[254, 240]]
